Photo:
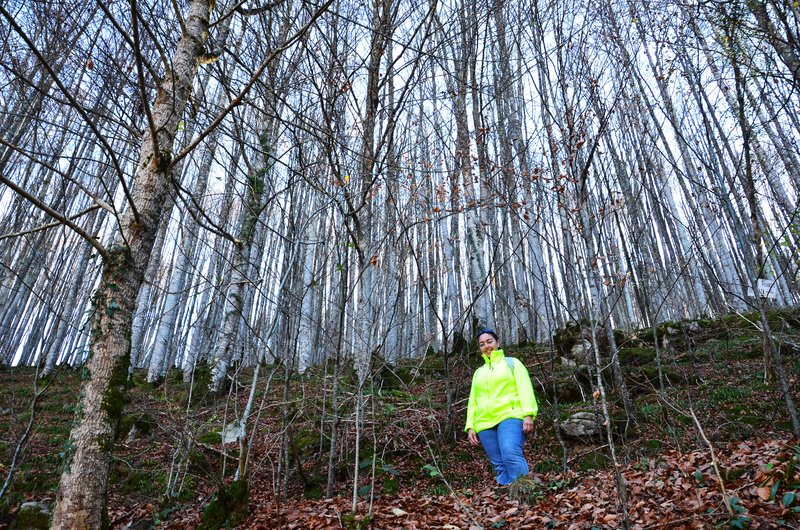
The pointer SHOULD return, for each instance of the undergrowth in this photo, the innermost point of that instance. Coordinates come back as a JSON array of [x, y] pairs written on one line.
[[407, 442]]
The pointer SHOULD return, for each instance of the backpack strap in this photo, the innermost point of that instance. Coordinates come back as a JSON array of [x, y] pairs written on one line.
[[510, 363]]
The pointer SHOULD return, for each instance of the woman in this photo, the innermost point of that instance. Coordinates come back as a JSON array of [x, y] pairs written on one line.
[[501, 409]]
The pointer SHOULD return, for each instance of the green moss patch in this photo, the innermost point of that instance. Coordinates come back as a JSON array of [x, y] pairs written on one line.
[[594, 460], [356, 521], [228, 509], [637, 356]]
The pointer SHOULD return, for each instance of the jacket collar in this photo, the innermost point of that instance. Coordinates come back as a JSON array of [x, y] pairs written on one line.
[[494, 356]]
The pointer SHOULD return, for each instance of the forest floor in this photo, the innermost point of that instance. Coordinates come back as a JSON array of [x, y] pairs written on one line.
[[712, 449]]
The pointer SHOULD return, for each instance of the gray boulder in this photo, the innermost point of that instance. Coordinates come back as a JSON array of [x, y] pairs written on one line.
[[582, 425], [232, 432], [582, 352], [32, 516]]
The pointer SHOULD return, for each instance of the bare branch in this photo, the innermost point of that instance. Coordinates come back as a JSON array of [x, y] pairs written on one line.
[[56, 215], [140, 76], [77, 106], [50, 225], [256, 75]]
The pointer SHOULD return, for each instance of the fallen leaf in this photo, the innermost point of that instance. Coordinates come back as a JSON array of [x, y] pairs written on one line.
[[764, 493]]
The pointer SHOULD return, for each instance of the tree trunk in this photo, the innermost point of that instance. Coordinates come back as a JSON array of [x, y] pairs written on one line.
[[81, 500]]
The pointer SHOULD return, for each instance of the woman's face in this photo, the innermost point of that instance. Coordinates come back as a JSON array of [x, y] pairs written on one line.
[[487, 343]]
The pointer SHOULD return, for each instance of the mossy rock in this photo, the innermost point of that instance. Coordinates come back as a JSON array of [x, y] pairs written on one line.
[[229, 507], [522, 337], [669, 327], [630, 341], [211, 437], [156, 383], [201, 379], [621, 338], [475, 361], [645, 337], [138, 378], [637, 356], [365, 454], [32, 478], [343, 471], [780, 317], [9, 502], [393, 378], [694, 378], [732, 474], [145, 424], [432, 365], [406, 374], [565, 338], [175, 375], [314, 488], [383, 374], [306, 442], [584, 375], [203, 463], [123, 428], [348, 376], [733, 322], [749, 349], [460, 345], [32, 516], [565, 391], [644, 380], [587, 378]]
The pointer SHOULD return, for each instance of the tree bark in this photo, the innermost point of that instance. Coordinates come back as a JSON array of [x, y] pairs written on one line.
[[81, 500]]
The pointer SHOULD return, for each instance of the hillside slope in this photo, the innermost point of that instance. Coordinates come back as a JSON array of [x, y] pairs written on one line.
[[417, 470]]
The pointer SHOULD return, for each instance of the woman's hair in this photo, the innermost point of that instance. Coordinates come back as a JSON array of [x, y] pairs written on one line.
[[488, 332]]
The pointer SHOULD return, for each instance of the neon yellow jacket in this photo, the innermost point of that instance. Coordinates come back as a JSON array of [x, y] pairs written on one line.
[[497, 393]]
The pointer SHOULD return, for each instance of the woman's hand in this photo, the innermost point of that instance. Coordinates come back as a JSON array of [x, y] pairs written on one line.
[[527, 425], [473, 437]]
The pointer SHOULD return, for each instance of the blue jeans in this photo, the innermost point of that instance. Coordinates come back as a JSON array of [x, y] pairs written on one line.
[[503, 444]]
